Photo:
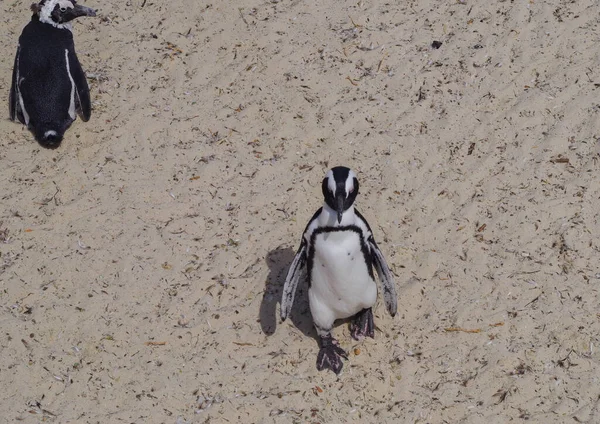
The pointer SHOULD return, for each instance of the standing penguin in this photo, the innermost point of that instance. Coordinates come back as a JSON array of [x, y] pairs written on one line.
[[338, 253], [48, 84]]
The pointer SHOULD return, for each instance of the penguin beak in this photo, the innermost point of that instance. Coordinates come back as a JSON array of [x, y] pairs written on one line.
[[78, 11], [339, 205]]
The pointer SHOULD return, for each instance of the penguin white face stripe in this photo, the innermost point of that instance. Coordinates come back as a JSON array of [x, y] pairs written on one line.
[[350, 182], [72, 103], [331, 182]]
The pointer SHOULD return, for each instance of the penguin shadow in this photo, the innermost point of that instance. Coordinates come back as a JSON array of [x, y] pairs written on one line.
[[279, 261]]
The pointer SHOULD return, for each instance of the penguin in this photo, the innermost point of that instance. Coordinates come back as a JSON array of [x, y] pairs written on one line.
[[337, 255], [48, 85]]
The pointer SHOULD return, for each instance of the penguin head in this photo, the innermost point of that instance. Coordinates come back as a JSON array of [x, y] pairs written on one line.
[[60, 13], [340, 188], [48, 135], [50, 139]]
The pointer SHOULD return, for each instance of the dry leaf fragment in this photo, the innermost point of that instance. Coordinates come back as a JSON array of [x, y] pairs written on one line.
[[471, 149], [501, 394], [380, 63], [155, 343]]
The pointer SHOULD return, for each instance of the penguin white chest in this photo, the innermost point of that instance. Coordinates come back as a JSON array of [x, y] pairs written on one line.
[[340, 277]]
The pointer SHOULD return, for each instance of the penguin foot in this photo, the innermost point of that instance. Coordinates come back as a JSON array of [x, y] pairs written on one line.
[[362, 325], [331, 354]]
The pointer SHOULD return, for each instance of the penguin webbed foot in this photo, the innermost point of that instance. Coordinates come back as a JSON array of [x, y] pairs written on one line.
[[362, 325], [330, 355]]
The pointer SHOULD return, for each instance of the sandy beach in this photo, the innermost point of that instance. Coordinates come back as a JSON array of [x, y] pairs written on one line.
[[142, 262]]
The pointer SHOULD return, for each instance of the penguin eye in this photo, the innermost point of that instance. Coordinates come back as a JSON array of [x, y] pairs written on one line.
[[63, 9]]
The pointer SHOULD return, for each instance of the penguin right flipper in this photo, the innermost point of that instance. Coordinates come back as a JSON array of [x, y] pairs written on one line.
[[82, 91], [385, 276], [295, 273]]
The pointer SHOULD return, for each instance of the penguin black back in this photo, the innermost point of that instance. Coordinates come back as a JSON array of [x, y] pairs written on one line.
[[49, 86]]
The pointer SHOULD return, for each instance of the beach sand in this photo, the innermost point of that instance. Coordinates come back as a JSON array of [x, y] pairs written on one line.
[[142, 262]]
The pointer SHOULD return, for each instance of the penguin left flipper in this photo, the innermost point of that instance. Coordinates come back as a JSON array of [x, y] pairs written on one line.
[[383, 271], [82, 91], [294, 275], [385, 276]]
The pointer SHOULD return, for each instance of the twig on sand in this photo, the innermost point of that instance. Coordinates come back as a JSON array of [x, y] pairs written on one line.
[[240, 9], [351, 81], [463, 330]]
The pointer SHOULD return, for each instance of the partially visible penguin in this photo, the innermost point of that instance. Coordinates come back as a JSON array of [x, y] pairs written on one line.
[[338, 253], [48, 85]]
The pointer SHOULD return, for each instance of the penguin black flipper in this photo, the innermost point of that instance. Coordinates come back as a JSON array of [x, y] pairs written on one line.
[[295, 273], [383, 271], [13, 106], [385, 276], [82, 91]]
